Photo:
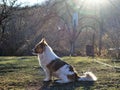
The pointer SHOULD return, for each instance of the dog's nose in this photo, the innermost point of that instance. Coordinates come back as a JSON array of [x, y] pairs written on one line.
[[33, 50]]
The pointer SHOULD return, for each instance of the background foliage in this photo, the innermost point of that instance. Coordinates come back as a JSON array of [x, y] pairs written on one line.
[[22, 27]]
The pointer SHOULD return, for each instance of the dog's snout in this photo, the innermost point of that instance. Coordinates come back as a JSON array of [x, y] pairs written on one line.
[[33, 50]]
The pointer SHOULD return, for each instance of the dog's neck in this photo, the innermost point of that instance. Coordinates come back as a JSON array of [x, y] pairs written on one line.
[[47, 56]]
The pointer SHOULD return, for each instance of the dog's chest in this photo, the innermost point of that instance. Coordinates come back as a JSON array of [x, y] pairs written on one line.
[[43, 61]]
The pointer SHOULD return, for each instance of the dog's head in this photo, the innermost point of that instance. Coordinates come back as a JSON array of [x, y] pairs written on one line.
[[40, 47]]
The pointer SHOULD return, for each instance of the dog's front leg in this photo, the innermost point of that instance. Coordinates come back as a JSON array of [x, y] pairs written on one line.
[[47, 74]]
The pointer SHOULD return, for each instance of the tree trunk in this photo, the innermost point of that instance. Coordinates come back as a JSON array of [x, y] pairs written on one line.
[[72, 48], [100, 43]]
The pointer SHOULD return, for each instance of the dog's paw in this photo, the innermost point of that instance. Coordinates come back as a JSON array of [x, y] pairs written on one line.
[[58, 81], [47, 80], [61, 81]]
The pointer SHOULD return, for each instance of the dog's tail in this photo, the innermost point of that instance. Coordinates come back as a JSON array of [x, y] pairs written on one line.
[[88, 76]]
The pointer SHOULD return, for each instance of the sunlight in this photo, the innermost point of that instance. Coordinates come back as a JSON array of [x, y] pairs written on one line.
[[96, 2], [93, 7], [92, 4]]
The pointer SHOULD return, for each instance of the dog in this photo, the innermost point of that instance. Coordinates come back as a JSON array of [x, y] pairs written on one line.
[[54, 66]]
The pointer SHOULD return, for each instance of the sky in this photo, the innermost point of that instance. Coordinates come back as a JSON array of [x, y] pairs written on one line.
[[30, 2]]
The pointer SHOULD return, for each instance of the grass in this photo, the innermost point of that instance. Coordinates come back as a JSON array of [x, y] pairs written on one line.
[[24, 73]]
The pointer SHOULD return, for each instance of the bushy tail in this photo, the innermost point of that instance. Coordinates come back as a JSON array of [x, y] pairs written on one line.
[[88, 76]]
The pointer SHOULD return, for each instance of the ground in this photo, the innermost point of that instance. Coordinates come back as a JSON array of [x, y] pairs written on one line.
[[24, 73]]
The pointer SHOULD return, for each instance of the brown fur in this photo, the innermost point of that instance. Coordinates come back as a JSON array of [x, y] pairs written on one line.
[[40, 47], [71, 69], [55, 65], [73, 77]]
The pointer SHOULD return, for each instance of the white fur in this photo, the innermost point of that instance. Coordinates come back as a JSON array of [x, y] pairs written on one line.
[[62, 74], [88, 76], [47, 56]]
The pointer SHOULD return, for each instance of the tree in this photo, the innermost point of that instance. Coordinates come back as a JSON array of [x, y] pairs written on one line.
[[7, 8]]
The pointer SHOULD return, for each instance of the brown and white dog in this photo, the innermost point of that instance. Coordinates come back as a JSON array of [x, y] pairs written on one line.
[[54, 66]]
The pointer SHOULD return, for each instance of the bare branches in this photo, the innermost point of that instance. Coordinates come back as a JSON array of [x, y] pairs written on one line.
[[7, 9]]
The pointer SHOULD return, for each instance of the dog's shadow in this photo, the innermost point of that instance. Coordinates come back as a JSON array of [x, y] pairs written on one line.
[[68, 86]]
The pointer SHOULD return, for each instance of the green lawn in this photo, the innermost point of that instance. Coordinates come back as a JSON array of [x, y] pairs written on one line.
[[24, 73]]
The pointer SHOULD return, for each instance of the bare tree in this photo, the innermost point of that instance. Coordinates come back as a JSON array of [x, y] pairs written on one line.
[[7, 8]]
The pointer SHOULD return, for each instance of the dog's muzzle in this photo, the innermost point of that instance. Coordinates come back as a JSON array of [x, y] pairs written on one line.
[[33, 52]]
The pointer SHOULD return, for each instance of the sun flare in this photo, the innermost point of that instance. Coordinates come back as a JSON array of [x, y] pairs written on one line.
[[96, 2], [91, 3]]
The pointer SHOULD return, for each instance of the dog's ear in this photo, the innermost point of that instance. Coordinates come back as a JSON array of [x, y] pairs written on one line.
[[43, 41]]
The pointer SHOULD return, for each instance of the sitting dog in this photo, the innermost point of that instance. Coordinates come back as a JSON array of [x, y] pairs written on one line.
[[54, 66]]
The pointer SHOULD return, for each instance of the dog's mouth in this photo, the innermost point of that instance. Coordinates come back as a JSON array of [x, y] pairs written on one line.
[[33, 52]]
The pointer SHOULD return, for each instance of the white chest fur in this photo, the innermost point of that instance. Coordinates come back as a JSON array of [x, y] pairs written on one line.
[[46, 57]]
